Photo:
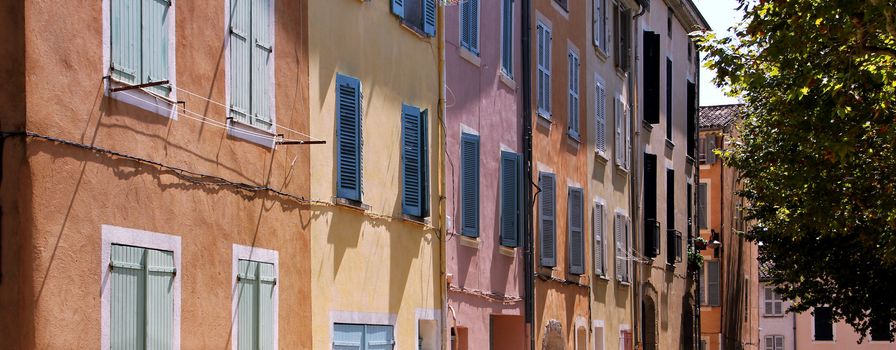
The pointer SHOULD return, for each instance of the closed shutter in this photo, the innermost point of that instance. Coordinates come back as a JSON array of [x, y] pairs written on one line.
[[266, 312], [710, 148], [240, 61], [469, 187], [668, 99], [702, 205], [159, 299], [510, 199], [576, 232], [465, 10], [155, 44], [769, 342], [544, 69], [424, 171], [619, 238], [507, 37], [262, 60], [714, 283], [412, 169], [348, 337], [600, 118], [469, 36], [379, 337], [128, 327], [125, 35], [628, 136], [348, 136], [824, 326], [429, 17], [597, 226], [651, 77], [247, 316], [547, 220], [398, 7], [779, 342]]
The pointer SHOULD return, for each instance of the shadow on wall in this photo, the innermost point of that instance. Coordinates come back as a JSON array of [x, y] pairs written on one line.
[[553, 336]]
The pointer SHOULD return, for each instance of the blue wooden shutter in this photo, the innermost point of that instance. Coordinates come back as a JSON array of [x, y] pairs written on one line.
[[128, 298], [510, 199], [262, 57], [429, 17], [507, 38], [240, 61], [465, 10], [159, 299], [379, 337], [348, 337], [155, 44], [424, 154], [412, 161], [348, 136], [469, 187], [547, 220], [576, 230], [398, 8], [267, 280], [474, 26], [125, 36], [247, 314]]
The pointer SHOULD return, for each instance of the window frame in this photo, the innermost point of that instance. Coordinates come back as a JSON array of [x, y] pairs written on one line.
[[600, 34], [833, 329], [460, 17], [268, 256], [544, 43], [574, 101], [766, 302], [600, 116], [773, 341]]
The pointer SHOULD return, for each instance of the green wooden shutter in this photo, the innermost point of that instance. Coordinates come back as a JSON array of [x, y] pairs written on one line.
[[128, 298], [155, 44], [429, 17], [348, 337], [240, 61], [247, 315], [348, 136], [125, 40], [510, 199], [576, 238], [469, 187], [267, 280], [159, 299], [547, 220], [412, 161], [262, 59], [379, 337]]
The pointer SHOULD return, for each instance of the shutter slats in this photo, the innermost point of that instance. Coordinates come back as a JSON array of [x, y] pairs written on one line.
[[125, 35], [507, 38], [412, 161], [713, 283], [348, 337], [600, 118], [470, 185], [128, 297], [619, 232], [240, 61], [266, 312], [155, 44], [510, 199], [547, 220], [348, 134], [474, 25], [429, 17], [398, 8], [599, 249], [159, 299], [262, 55], [576, 232]]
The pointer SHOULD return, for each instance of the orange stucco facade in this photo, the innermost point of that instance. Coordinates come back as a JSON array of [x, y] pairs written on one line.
[[181, 176]]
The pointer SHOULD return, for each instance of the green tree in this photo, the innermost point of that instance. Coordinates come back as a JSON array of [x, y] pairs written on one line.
[[817, 151]]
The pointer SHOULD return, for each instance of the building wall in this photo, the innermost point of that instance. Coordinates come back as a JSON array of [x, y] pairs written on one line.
[[559, 304], [775, 325], [372, 266], [481, 99], [845, 338], [57, 196]]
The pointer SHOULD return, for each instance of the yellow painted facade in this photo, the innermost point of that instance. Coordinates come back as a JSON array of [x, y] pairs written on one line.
[[369, 265]]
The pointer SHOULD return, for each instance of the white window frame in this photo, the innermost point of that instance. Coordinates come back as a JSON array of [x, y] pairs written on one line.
[[237, 129], [241, 252], [543, 68], [600, 341], [833, 330], [766, 301], [772, 342], [143, 239], [142, 98], [364, 318]]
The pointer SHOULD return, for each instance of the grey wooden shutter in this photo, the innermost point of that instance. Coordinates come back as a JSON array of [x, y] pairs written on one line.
[[348, 138], [469, 187], [702, 193], [576, 230], [597, 226], [713, 283], [510, 199], [619, 240], [547, 220]]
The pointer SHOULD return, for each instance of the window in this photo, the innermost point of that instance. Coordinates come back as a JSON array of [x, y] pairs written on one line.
[[669, 15], [576, 231], [707, 146], [673, 236], [251, 63], [142, 298], [543, 36], [573, 95], [140, 43], [469, 26], [622, 35], [600, 117], [469, 184], [415, 162], [713, 283], [669, 99], [623, 131], [511, 198], [547, 219], [255, 307], [599, 336], [823, 324], [651, 225], [507, 37], [622, 231], [881, 329], [460, 338], [600, 246], [774, 342], [651, 68], [349, 142], [702, 205], [600, 25], [773, 303], [363, 337], [418, 14], [563, 4]]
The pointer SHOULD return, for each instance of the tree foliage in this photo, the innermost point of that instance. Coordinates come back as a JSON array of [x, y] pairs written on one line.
[[817, 151]]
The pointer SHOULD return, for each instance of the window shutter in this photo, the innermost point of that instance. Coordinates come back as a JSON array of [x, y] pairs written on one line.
[[398, 8], [548, 38], [598, 227], [348, 135], [628, 137], [424, 169], [247, 310], [619, 232], [348, 337], [669, 99], [262, 50], [651, 243], [510, 199], [474, 26], [379, 337], [507, 37], [465, 10], [547, 220], [779, 342], [600, 118], [576, 232], [128, 327], [266, 312], [412, 161], [651, 77], [125, 36], [710, 147], [619, 126], [240, 61], [702, 205], [429, 17], [155, 44], [769, 342], [713, 283], [470, 185], [627, 247], [573, 94], [159, 299], [824, 327]]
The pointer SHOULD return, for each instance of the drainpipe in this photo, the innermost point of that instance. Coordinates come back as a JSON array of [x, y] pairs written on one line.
[[634, 192], [528, 236], [443, 228], [696, 180]]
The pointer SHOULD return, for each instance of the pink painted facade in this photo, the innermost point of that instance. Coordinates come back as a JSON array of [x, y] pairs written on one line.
[[485, 279], [844, 337]]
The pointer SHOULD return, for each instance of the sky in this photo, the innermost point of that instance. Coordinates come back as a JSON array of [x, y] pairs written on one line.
[[721, 15]]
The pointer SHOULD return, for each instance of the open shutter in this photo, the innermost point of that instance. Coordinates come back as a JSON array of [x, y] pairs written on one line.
[[597, 225], [128, 327], [547, 220], [600, 118], [429, 17], [510, 199], [573, 94], [424, 169], [240, 61], [125, 36], [262, 56], [669, 99], [576, 232], [628, 137], [702, 192], [247, 309], [155, 44], [470, 185], [379, 337], [398, 8], [710, 147], [348, 135], [619, 233], [159, 299], [412, 162], [651, 77], [348, 337], [267, 279]]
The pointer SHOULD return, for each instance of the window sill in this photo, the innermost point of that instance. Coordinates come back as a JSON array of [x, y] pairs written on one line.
[[774, 316], [562, 11], [545, 117], [250, 133], [143, 99], [351, 204], [469, 242], [690, 160], [624, 283], [601, 54], [621, 73], [507, 80], [601, 156], [647, 126], [603, 278], [669, 144], [621, 170], [413, 29], [415, 219], [471, 57], [574, 137], [507, 251]]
